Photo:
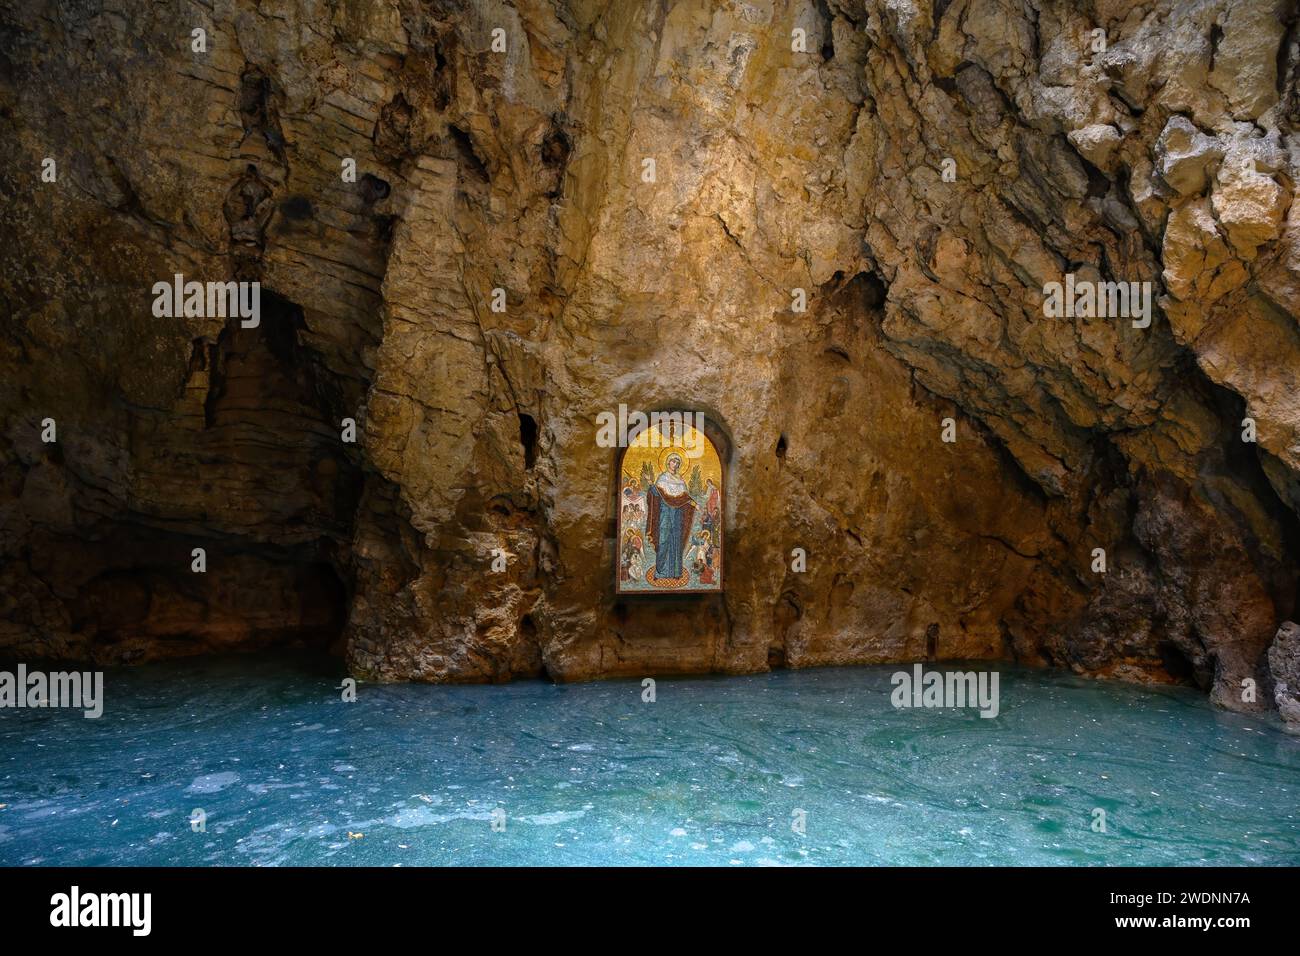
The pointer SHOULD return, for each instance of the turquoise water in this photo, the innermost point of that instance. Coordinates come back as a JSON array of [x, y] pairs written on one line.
[[712, 772]]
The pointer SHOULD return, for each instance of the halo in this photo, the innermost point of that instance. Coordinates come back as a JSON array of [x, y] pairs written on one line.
[[667, 453]]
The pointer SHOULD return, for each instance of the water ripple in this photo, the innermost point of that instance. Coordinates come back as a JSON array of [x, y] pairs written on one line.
[[790, 768]]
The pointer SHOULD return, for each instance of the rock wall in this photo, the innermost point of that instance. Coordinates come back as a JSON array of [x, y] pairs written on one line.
[[922, 171]]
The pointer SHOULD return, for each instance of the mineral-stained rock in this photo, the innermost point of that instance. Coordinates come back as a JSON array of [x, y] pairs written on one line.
[[1284, 668], [921, 171], [1097, 144], [1250, 206], [1184, 156]]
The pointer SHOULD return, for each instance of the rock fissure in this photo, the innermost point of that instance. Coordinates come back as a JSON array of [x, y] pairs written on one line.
[[1167, 157]]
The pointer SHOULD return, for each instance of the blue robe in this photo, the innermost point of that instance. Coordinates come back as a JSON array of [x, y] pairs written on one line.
[[668, 524]]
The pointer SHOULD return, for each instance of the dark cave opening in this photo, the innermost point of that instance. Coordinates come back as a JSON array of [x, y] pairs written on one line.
[[266, 488], [932, 641], [786, 614], [1243, 464], [555, 151], [144, 602], [828, 37], [1176, 664], [555, 148], [469, 156], [373, 189], [528, 439], [864, 293]]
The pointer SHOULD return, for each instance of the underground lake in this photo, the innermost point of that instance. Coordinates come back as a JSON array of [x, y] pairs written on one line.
[[261, 762]]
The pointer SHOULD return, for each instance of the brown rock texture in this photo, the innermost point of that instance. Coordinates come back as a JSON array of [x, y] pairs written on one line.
[[1284, 669], [921, 170]]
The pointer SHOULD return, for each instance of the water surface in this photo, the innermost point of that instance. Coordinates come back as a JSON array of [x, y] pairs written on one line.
[[713, 772]]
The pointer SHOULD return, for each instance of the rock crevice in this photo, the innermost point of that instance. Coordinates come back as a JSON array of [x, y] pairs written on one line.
[[620, 204]]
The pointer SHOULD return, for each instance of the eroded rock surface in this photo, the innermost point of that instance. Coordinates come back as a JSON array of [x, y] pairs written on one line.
[[1165, 154], [1284, 668]]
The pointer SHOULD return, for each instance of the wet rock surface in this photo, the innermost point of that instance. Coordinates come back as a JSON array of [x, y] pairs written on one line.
[[1284, 668], [922, 172]]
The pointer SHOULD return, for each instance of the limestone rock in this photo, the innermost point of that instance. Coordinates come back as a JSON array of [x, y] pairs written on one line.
[[1250, 206], [1245, 56], [1198, 262], [1185, 155], [921, 172], [1097, 144], [1284, 668]]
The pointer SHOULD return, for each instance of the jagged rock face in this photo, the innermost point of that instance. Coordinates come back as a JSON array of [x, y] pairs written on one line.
[[1284, 669], [923, 172]]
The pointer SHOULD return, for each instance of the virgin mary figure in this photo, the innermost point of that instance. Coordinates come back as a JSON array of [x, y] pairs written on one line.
[[669, 513]]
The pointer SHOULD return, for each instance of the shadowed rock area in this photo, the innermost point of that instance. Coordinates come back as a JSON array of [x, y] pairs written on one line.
[[922, 172]]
